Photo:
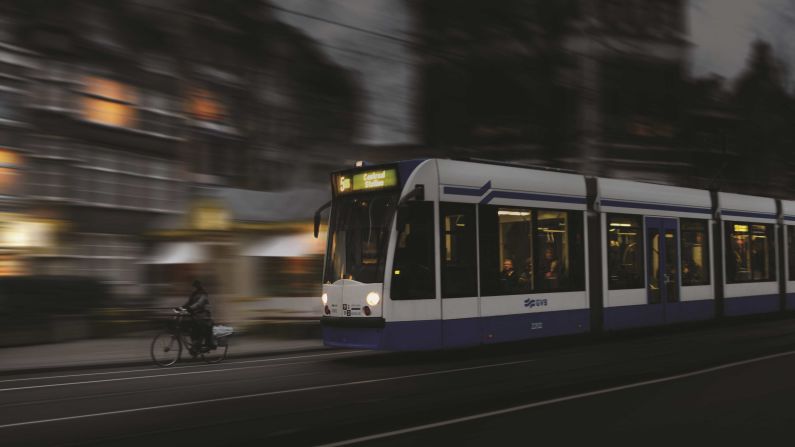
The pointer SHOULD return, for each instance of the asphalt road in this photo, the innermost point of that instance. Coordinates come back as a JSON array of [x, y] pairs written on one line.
[[727, 383]]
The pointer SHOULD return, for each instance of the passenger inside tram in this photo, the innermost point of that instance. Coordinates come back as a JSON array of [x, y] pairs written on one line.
[[550, 268], [526, 277], [509, 280], [740, 258], [692, 273]]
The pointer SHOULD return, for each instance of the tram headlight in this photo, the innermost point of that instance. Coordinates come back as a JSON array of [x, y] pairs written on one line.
[[324, 298], [373, 299]]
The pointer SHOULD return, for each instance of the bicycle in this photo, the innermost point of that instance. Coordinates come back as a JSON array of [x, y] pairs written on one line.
[[167, 346]]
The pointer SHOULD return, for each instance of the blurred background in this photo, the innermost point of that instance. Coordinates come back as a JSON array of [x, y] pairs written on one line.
[[146, 143]]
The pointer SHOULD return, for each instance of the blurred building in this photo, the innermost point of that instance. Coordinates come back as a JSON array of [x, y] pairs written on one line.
[[585, 84], [117, 119]]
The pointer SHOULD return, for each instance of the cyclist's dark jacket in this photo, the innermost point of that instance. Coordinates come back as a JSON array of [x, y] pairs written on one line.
[[198, 304]]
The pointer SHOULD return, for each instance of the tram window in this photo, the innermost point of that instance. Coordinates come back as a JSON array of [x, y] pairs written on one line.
[[791, 251], [506, 250], [695, 252], [624, 252], [524, 250], [458, 255], [750, 255], [413, 272], [559, 250]]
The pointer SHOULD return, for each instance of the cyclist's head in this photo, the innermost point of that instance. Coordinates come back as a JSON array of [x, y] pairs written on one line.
[[197, 284]]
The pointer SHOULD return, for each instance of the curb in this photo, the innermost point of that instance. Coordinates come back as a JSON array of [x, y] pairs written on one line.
[[148, 362]]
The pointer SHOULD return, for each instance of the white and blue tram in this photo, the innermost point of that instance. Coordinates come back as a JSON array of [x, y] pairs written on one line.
[[431, 254]]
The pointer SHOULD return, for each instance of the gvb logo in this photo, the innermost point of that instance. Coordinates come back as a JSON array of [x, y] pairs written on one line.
[[530, 302]]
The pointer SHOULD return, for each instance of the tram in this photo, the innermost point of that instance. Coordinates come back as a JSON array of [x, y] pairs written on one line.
[[438, 253]]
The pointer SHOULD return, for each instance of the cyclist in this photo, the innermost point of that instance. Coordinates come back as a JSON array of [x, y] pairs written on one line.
[[198, 305]]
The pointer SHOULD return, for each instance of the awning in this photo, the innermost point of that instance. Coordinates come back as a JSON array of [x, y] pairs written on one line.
[[178, 253], [287, 246]]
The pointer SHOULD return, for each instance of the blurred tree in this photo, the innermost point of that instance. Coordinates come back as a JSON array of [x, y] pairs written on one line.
[[766, 108]]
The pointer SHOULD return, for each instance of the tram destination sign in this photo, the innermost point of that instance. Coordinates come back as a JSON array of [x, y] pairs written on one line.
[[366, 180]]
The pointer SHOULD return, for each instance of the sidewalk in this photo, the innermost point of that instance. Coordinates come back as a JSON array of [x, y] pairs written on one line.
[[129, 351]]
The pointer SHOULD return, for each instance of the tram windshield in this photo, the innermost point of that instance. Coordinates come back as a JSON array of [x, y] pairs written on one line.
[[358, 237]]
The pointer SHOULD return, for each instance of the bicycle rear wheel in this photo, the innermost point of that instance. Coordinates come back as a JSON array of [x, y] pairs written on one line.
[[218, 354], [166, 349]]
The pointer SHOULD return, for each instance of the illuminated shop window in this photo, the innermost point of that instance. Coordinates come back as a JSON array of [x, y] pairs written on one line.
[[9, 174], [11, 266], [108, 102]]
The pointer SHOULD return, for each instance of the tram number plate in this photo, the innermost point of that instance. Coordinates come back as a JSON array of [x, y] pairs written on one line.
[[536, 325], [350, 310]]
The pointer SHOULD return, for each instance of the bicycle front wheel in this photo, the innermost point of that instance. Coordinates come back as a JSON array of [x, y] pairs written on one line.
[[218, 354], [166, 349]]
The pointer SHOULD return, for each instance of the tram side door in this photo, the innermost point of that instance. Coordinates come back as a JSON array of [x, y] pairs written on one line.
[[662, 261], [459, 274]]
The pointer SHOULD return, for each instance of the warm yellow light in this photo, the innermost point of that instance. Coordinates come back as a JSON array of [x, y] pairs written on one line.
[[210, 217], [397, 272], [108, 112], [24, 234], [619, 224], [204, 105], [740, 228], [324, 298], [513, 213], [9, 158], [345, 184]]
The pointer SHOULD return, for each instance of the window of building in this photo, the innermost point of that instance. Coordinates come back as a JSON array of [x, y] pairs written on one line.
[[695, 252], [9, 104], [791, 250], [625, 268], [525, 250], [458, 254], [413, 272], [750, 253], [108, 102], [204, 105]]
